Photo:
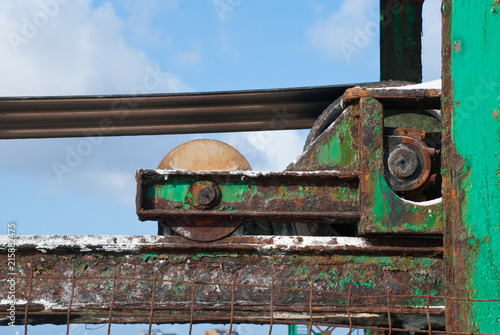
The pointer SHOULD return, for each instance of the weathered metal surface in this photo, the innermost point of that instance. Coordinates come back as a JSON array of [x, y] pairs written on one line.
[[400, 40], [246, 244], [328, 196], [335, 109], [204, 228], [79, 116], [382, 211], [471, 105], [335, 149], [328, 280], [410, 165], [452, 307], [404, 97], [204, 154]]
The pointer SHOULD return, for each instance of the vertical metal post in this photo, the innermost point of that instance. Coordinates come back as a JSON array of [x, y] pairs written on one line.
[[471, 169], [401, 40]]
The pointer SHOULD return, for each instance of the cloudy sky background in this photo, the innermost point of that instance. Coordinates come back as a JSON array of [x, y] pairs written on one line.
[[62, 47]]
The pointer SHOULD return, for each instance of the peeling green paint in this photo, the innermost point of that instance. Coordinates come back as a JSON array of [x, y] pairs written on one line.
[[301, 271], [475, 78], [238, 192], [387, 209], [336, 150], [146, 256], [222, 254]]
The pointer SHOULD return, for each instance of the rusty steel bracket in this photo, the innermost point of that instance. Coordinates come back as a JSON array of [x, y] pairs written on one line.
[[382, 211], [327, 196]]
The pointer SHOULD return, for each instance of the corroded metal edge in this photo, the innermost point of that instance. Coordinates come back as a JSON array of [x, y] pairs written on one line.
[[399, 97], [160, 279], [262, 244]]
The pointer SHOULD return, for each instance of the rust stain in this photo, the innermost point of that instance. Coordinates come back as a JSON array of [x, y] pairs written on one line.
[[495, 112]]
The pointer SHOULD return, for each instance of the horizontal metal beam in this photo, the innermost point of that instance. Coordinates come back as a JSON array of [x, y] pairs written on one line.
[[165, 279], [290, 195], [403, 97], [116, 115], [263, 244]]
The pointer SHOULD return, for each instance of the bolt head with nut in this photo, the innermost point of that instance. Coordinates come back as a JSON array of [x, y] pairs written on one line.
[[204, 194], [402, 162]]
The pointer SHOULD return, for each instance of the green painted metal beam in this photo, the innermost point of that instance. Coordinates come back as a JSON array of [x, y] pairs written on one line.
[[400, 40], [472, 170]]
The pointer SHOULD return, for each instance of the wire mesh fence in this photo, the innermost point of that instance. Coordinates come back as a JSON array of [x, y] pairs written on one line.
[[379, 313]]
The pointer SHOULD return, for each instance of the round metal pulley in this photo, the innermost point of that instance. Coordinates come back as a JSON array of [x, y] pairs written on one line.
[[203, 155]]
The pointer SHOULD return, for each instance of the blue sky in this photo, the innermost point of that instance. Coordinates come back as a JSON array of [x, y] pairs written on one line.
[[62, 47]]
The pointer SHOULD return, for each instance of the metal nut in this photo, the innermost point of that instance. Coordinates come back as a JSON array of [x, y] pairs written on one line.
[[205, 194], [402, 162]]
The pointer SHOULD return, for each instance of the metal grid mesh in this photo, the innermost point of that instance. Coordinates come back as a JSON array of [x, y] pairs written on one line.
[[152, 312]]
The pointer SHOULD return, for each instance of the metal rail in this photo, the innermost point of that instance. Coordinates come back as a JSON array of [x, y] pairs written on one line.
[[117, 115]]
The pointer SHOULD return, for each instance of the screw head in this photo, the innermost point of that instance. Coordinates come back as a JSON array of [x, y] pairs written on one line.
[[205, 194], [402, 162]]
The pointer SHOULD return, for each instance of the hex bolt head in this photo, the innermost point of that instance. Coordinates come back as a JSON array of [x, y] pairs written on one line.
[[402, 162], [205, 194]]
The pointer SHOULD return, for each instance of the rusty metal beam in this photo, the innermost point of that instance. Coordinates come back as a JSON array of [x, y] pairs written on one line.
[[79, 116], [405, 97], [401, 40], [289, 195], [324, 279]]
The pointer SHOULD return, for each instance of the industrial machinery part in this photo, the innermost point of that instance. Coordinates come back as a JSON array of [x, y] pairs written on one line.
[[205, 155], [355, 171]]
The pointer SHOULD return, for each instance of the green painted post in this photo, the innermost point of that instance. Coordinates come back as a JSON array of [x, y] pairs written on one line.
[[401, 40], [471, 169]]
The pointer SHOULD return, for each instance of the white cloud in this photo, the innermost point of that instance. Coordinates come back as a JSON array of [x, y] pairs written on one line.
[[56, 47], [269, 150], [142, 17], [348, 31]]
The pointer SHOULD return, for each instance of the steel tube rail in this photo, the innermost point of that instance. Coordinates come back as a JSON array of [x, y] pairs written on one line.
[[117, 115]]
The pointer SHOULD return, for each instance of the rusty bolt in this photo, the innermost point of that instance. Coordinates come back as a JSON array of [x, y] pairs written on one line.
[[402, 162], [205, 194]]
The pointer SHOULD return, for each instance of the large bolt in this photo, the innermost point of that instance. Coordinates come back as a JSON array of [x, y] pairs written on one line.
[[205, 194], [402, 162]]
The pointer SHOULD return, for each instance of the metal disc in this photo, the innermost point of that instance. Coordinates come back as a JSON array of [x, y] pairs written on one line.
[[204, 155]]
